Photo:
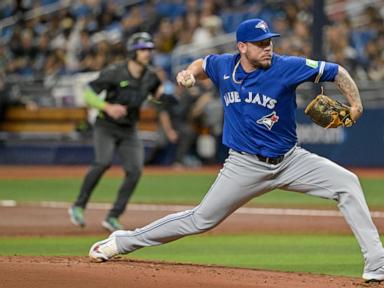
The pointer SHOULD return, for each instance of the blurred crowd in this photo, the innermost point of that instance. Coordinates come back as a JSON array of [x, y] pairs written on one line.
[[49, 38], [86, 35]]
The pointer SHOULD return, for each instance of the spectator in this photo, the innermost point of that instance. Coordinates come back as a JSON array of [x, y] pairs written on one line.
[[4, 97], [165, 41], [191, 23], [374, 52], [24, 53], [208, 114], [209, 19], [55, 64], [11, 97], [211, 26], [117, 47], [4, 56], [83, 51], [101, 51], [131, 22], [152, 18], [42, 53], [177, 133]]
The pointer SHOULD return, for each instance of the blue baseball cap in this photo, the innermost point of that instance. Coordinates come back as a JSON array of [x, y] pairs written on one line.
[[253, 30]]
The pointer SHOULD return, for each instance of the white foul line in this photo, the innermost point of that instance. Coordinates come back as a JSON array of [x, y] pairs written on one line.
[[178, 208]]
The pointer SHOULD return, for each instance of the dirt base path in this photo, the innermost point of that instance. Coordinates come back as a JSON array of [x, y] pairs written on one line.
[[42, 221]]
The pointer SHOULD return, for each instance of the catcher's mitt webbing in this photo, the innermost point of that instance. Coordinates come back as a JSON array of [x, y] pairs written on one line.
[[328, 113]]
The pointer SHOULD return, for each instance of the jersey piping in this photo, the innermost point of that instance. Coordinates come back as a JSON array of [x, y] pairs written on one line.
[[321, 71]]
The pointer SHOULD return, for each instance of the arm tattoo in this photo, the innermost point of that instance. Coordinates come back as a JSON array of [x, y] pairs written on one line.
[[348, 87]]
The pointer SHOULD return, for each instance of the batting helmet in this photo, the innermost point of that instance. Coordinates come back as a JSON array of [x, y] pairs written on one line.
[[140, 40], [254, 30]]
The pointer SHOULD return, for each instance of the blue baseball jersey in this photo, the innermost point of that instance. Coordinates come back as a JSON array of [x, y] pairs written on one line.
[[260, 106]]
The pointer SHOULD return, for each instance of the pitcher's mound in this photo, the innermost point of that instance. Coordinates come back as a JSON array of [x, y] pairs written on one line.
[[78, 272]]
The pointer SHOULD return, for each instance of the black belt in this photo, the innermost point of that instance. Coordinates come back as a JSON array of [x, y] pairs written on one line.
[[268, 160]]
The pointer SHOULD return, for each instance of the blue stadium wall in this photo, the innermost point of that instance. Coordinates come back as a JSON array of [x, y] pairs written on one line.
[[360, 146]]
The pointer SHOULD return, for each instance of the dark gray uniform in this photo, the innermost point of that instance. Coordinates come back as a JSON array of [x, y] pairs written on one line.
[[120, 135]]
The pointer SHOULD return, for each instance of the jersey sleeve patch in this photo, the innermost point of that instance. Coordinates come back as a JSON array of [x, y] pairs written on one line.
[[311, 63]]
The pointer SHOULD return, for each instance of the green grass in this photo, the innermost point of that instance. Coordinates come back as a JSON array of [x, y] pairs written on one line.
[[180, 189], [324, 254], [151, 189], [46, 246]]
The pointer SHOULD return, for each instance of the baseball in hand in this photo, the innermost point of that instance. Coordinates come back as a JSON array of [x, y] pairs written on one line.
[[190, 81]]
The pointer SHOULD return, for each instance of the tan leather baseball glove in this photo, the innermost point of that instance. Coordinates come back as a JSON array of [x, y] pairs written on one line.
[[328, 113]]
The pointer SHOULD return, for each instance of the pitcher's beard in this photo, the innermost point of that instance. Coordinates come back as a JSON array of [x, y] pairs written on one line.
[[262, 64]]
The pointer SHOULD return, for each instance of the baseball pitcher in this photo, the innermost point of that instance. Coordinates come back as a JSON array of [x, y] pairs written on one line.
[[257, 88]]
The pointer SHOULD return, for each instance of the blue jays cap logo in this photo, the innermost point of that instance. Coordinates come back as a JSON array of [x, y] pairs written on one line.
[[262, 25]]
